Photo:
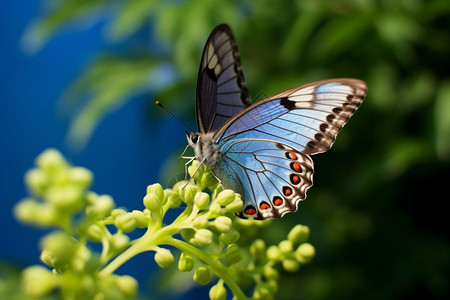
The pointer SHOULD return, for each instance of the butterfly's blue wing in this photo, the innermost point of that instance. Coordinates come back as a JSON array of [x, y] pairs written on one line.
[[271, 177], [264, 150], [308, 116], [221, 89]]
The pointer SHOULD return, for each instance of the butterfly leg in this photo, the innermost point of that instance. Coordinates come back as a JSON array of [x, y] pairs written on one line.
[[186, 166], [195, 172], [189, 158], [186, 157], [218, 179]]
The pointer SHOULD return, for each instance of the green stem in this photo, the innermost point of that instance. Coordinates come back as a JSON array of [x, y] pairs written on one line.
[[163, 235], [142, 244], [150, 239], [216, 267]]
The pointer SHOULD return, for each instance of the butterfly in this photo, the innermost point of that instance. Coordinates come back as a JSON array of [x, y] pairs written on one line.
[[262, 150]]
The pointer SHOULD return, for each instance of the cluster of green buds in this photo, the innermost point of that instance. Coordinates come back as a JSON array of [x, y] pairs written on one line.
[[60, 199], [289, 253], [205, 232]]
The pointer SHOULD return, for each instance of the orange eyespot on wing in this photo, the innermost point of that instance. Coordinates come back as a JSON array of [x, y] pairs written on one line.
[[277, 201], [250, 210], [264, 205], [296, 167]]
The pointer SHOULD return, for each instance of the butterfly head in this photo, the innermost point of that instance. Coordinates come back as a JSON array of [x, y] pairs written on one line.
[[205, 149], [193, 138], [194, 141]]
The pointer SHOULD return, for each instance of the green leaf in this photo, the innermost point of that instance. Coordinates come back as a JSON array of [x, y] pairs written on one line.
[[339, 35], [107, 84], [61, 13], [131, 16]]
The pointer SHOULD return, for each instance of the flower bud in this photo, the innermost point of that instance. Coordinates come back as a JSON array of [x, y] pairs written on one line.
[[119, 241], [285, 246], [272, 286], [201, 200], [164, 257], [218, 291], [290, 265], [202, 237], [193, 167], [261, 292], [258, 248], [202, 275], [185, 263], [82, 259], [58, 249], [208, 179], [81, 176], [157, 190], [95, 233], [189, 193], [37, 180], [215, 210], [92, 262], [174, 199], [99, 206], [298, 234], [152, 202], [26, 209], [225, 197], [233, 254], [305, 252], [235, 206], [222, 224], [66, 198], [200, 223], [37, 281], [116, 212], [274, 253], [127, 285], [30, 211], [229, 237], [51, 160], [125, 222], [270, 272], [140, 218]]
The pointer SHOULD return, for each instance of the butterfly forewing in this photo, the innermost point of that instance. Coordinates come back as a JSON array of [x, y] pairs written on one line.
[[221, 89], [307, 117]]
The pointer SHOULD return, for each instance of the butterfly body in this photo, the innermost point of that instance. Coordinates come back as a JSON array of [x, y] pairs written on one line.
[[262, 151]]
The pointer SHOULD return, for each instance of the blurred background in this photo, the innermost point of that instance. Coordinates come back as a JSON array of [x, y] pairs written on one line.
[[82, 76]]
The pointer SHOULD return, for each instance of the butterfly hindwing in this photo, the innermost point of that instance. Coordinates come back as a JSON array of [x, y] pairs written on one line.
[[221, 89], [271, 177]]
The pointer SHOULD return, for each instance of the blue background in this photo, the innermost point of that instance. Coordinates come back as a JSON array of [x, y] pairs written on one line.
[[122, 152]]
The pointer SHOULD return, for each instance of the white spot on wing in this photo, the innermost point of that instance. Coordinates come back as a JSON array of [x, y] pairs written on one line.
[[307, 97], [304, 104], [213, 62], [334, 88], [307, 90]]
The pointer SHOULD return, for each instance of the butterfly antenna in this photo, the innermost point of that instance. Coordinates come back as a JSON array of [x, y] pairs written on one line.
[[175, 117]]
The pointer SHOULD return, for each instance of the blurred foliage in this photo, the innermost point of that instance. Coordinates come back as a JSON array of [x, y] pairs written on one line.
[[377, 210]]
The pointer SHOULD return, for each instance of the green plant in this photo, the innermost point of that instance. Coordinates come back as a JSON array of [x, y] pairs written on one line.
[[205, 232]]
